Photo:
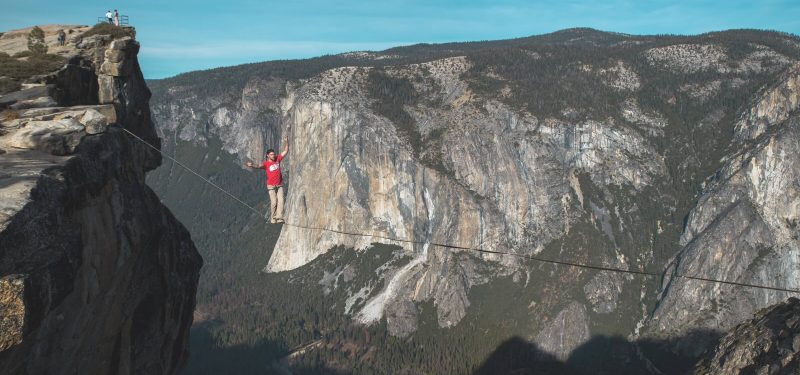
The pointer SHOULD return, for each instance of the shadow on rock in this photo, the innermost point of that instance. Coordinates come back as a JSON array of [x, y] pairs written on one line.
[[518, 356], [603, 355]]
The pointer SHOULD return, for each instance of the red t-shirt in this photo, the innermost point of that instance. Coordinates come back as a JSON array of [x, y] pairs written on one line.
[[273, 169]]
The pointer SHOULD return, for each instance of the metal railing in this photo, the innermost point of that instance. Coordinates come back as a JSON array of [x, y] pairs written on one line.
[[123, 20]]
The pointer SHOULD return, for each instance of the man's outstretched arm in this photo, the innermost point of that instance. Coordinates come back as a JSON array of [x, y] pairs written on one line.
[[252, 165], [285, 145]]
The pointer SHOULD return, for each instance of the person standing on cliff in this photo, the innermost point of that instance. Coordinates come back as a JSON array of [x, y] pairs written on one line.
[[62, 37], [274, 180], [116, 17], [110, 16]]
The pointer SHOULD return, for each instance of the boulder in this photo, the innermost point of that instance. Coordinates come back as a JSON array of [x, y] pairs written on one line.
[[94, 121], [106, 110], [57, 137]]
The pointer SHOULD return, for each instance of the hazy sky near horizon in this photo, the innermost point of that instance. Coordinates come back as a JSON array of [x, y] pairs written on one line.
[[184, 35]]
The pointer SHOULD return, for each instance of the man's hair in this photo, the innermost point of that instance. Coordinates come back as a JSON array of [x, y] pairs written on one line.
[[268, 151]]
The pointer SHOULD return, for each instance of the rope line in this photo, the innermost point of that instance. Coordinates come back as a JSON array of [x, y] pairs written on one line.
[[448, 246], [190, 170], [546, 260], [474, 249]]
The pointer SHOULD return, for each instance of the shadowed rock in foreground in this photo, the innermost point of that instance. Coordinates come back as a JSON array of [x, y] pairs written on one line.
[[767, 344]]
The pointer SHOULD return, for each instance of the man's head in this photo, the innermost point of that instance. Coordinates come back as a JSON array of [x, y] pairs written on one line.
[[270, 155]]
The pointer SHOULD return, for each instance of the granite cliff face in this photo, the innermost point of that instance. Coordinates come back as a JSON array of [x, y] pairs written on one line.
[[581, 146], [509, 182], [96, 275], [744, 226]]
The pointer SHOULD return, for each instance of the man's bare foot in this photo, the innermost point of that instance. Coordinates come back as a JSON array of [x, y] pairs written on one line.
[[274, 221], [281, 221]]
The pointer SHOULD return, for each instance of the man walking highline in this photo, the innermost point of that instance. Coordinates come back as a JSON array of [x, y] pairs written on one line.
[[274, 180]]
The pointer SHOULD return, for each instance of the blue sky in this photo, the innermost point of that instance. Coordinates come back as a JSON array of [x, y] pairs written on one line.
[[184, 35]]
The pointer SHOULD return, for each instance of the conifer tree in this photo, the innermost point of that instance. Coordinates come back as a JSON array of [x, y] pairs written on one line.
[[36, 41]]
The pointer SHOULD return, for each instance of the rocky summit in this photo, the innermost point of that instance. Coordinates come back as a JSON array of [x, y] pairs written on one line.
[[667, 158], [96, 275]]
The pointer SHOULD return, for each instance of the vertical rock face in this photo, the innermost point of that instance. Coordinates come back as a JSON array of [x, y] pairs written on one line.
[[96, 275], [491, 178], [744, 227]]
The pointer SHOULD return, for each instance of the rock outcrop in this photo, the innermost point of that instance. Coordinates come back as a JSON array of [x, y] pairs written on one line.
[[767, 344], [96, 275]]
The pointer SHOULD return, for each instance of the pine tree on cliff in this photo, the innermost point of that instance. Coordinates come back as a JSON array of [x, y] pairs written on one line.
[[36, 41]]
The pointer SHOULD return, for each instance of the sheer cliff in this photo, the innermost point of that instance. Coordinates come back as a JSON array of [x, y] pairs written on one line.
[[669, 155], [96, 275]]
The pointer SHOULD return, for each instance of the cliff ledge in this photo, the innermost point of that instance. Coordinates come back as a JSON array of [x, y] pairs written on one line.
[[96, 275]]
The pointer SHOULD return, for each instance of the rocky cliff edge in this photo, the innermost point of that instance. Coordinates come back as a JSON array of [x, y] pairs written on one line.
[[96, 275]]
